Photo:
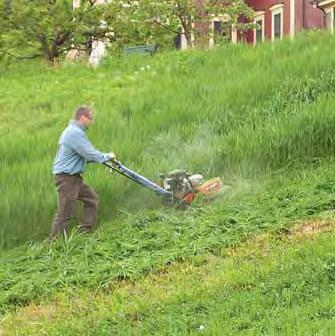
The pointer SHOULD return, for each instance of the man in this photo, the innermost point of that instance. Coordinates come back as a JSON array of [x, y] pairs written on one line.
[[74, 150]]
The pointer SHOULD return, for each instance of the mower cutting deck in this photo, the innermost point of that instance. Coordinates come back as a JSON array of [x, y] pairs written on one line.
[[178, 187]]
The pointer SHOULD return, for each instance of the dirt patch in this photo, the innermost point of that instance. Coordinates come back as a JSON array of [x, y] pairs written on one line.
[[312, 227], [257, 245], [38, 312], [260, 245]]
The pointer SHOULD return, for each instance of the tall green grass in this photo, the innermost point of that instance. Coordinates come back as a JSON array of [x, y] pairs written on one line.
[[237, 112]]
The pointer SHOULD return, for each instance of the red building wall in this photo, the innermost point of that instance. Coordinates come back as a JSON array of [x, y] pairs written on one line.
[[265, 5], [306, 16]]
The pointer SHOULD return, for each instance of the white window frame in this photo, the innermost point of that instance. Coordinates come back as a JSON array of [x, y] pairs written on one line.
[[260, 16], [75, 4], [275, 10], [331, 10], [326, 3], [234, 34]]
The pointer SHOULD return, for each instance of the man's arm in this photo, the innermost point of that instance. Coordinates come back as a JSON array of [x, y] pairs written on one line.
[[82, 146]]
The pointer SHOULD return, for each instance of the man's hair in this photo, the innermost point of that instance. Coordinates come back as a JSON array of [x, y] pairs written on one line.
[[83, 111]]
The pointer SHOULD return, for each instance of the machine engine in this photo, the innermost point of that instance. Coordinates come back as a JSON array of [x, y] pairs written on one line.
[[181, 183]]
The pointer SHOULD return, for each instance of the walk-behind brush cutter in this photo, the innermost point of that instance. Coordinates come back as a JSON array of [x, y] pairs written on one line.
[[178, 187]]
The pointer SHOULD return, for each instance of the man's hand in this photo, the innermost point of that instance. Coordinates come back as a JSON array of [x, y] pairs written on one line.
[[111, 156]]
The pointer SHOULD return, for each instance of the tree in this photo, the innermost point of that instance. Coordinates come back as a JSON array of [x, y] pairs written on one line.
[[37, 28], [47, 27]]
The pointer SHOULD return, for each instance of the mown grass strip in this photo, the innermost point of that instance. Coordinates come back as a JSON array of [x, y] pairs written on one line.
[[271, 285]]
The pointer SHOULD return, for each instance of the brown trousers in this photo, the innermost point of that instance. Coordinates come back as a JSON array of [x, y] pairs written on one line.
[[71, 188]]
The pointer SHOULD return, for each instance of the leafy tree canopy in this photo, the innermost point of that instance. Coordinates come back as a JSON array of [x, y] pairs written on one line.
[[49, 28]]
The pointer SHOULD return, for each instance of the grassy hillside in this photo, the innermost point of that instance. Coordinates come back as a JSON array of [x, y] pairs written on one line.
[[237, 112], [261, 118]]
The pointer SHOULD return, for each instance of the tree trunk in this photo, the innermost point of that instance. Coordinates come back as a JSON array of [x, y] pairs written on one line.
[[187, 28], [50, 49], [45, 47]]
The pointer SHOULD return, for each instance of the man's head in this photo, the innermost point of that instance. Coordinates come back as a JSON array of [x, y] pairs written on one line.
[[84, 116]]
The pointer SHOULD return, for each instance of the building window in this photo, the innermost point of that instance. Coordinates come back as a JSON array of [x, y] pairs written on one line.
[[259, 29], [217, 27], [221, 30], [277, 15], [277, 26]]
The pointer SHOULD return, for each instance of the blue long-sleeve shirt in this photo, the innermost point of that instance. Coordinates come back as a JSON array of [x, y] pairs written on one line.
[[74, 150]]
